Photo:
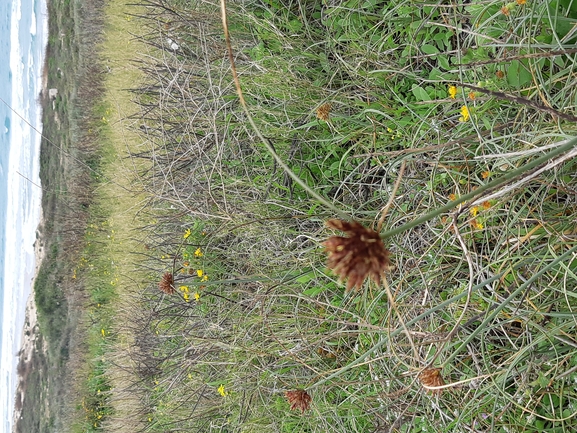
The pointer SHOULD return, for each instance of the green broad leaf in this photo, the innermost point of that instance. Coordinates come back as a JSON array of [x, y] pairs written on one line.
[[420, 93], [543, 381], [429, 49], [518, 75], [443, 62], [305, 278], [313, 291]]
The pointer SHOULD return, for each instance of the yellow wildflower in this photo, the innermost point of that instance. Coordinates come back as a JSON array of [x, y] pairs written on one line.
[[478, 225], [184, 289], [521, 2], [187, 233], [198, 252], [199, 272], [103, 332], [204, 278], [465, 115], [452, 92], [474, 211], [196, 296], [222, 391], [186, 297], [485, 174]]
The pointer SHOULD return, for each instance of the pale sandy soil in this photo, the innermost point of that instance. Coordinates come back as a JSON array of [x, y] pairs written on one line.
[[30, 331]]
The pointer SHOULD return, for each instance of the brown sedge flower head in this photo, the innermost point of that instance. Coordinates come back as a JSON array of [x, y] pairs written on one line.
[[324, 111], [166, 284], [431, 377], [360, 255], [298, 399]]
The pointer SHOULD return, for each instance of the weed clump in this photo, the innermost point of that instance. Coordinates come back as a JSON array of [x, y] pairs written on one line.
[[431, 378], [299, 399], [166, 284], [360, 255]]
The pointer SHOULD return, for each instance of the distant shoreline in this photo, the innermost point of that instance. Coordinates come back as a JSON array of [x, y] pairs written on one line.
[[52, 354], [30, 331], [24, 246]]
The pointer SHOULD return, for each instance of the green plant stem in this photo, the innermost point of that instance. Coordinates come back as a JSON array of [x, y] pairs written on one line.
[[480, 190]]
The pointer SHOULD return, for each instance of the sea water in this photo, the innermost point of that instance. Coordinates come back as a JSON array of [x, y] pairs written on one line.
[[23, 36]]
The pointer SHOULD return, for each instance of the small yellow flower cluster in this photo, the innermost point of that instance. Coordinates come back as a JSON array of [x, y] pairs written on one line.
[[394, 134], [477, 225], [187, 267], [186, 294], [222, 391], [465, 115], [474, 212], [453, 93], [506, 10], [187, 233], [201, 275]]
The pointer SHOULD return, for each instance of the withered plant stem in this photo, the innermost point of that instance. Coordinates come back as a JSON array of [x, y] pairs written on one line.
[[264, 141]]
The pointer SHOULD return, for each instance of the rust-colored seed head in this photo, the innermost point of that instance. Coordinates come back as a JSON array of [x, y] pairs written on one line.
[[432, 377], [324, 111], [360, 255], [167, 284], [298, 399]]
